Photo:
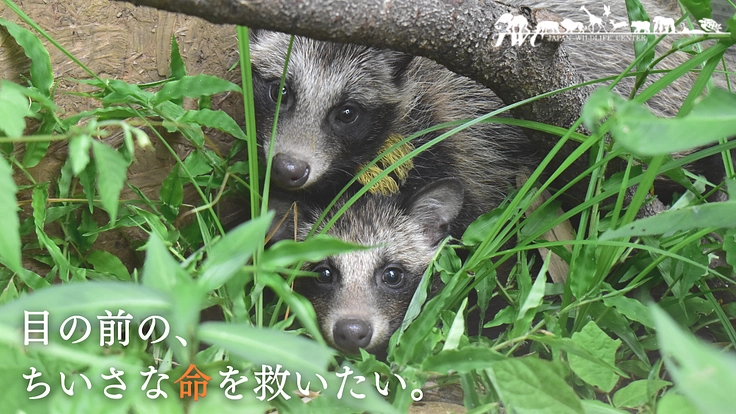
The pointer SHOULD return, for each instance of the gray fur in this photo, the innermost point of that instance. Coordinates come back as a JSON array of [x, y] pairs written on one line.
[[420, 94], [320, 85], [405, 234]]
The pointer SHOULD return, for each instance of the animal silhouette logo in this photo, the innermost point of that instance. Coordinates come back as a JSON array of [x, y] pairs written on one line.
[[518, 28]]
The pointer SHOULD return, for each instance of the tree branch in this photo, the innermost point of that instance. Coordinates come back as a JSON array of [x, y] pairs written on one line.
[[459, 34]]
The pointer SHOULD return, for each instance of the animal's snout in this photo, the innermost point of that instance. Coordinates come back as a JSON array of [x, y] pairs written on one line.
[[289, 172], [352, 334]]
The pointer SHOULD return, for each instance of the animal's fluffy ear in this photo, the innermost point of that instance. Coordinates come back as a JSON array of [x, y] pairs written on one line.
[[399, 62], [436, 206]]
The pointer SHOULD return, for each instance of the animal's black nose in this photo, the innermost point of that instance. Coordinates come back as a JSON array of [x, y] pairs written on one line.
[[352, 334], [289, 172]]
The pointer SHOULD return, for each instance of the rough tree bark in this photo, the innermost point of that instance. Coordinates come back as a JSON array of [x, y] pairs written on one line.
[[456, 33]]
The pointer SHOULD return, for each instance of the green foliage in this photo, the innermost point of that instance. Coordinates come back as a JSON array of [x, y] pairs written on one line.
[[42, 76], [695, 217], [703, 374], [531, 384], [14, 106], [589, 344], [10, 242], [630, 122], [591, 337]]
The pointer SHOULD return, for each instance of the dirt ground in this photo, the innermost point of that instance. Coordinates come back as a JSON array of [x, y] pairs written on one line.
[[120, 41]]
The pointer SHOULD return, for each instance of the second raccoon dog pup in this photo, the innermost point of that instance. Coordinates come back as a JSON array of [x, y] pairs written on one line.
[[342, 104], [361, 297]]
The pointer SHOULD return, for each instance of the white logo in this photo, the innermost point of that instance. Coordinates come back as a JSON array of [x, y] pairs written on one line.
[[516, 27]]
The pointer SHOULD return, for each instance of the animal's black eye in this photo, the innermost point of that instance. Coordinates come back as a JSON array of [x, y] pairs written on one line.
[[347, 114], [393, 276], [273, 92], [324, 274]]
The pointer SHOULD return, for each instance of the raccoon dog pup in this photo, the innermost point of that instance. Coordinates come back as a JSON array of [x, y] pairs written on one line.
[[361, 297], [342, 103], [340, 106]]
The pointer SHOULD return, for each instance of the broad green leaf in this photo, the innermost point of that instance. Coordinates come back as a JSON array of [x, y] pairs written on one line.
[[33, 280], [160, 270], [38, 203], [457, 329], [538, 221], [639, 131], [39, 198], [632, 309], [14, 106], [288, 252], [172, 195], [79, 152], [36, 149], [478, 230], [197, 164], [421, 336], [193, 87], [598, 407], [729, 246], [415, 305], [111, 173], [705, 375], [502, 317], [637, 393], [531, 385], [232, 252], [257, 345], [87, 178], [636, 12], [573, 348], [10, 290], [153, 220], [169, 109], [592, 338], [10, 241], [583, 270], [105, 262], [298, 304], [102, 114], [178, 70], [720, 215], [218, 120], [673, 403], [485, 286], [688, 311], [533, 300], [463, 360], [41, 74], [611, 320], [124, 93], [698, 8], [689, 273], [187, 301], [88, 299]]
